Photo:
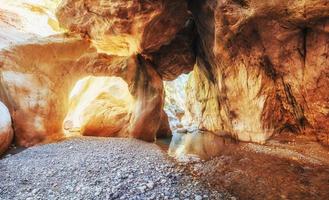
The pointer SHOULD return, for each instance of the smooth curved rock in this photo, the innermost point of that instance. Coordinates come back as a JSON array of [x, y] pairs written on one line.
[[164, 129], [38, 77], [22, 20], [99, 106], [6, 130], [124, 27]]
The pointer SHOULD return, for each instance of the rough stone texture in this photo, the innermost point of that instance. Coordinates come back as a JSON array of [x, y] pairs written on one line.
[[6, 130], [178, 57], [37, 87], [175, 102], [124, 27], [265, 65], [99, 168]]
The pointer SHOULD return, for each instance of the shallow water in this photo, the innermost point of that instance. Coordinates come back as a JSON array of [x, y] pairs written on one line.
[[202, 144]]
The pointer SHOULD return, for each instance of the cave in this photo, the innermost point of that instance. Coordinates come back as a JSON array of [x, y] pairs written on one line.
[[163, 99], [98, 106]]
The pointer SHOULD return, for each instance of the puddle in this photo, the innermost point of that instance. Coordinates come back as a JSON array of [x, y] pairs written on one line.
[[202, 144]]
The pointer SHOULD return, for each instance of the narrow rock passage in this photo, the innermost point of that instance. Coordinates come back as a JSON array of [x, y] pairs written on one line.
[[99, 168]]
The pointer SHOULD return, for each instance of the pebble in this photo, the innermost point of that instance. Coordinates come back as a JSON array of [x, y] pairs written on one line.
[[97, 168], [150, 185]]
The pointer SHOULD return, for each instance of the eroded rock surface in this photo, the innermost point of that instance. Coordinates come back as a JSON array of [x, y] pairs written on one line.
[[179, 56], [261, 67], [99, 106], [6, 130], [37, 87], [23, 20], [124, 27]]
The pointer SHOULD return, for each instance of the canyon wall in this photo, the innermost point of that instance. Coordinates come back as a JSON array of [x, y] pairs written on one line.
[[104, 39], [259, 68], [37, 88], [262, 68]]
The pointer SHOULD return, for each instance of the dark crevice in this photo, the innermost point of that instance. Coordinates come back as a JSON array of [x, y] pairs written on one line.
[[303, 51], [242, 3], [205, 64], [268, 67], [298, 110], [141, 74]]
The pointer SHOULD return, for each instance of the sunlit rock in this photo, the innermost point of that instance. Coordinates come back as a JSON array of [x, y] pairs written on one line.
[[261, 67], [204, 145], [124, 27], [38, 77], [21, 20], [99, 106], [6, 130], [175, 102]]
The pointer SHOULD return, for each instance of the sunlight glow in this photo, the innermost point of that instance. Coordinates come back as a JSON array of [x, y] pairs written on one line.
[[99, 100]]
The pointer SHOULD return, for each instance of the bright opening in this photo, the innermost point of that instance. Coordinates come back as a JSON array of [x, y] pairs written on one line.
[[98, 106]]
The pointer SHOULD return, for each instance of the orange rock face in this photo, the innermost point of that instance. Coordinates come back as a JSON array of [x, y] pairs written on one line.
[[261, 68], [124, 27], [37, 88], [6, 131], [264, 64], [178, 57]]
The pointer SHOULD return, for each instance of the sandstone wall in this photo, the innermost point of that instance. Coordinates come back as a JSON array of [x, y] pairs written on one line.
[[261, 67], [37, 78]]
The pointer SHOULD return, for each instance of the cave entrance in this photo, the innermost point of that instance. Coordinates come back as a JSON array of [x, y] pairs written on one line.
[[98, 106], [182, 108], [175, 102], [175, 108]]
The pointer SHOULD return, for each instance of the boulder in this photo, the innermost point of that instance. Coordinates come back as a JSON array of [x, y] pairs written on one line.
[[6, 130]]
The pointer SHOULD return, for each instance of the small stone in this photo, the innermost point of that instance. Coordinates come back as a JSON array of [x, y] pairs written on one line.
[[150, 185], [142, 188], [181, 130], [163, 181], [197, 197]]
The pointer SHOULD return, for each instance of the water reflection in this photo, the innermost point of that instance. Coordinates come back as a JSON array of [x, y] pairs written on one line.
[[202, 144]]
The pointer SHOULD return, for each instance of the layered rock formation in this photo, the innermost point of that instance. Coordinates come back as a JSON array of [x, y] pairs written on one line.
[[262, 67], [6, 130]]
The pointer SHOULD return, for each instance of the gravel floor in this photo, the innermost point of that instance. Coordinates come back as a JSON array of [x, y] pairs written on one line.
[[99, 168]]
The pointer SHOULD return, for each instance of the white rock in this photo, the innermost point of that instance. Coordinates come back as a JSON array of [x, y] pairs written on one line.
[[6, 130]]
